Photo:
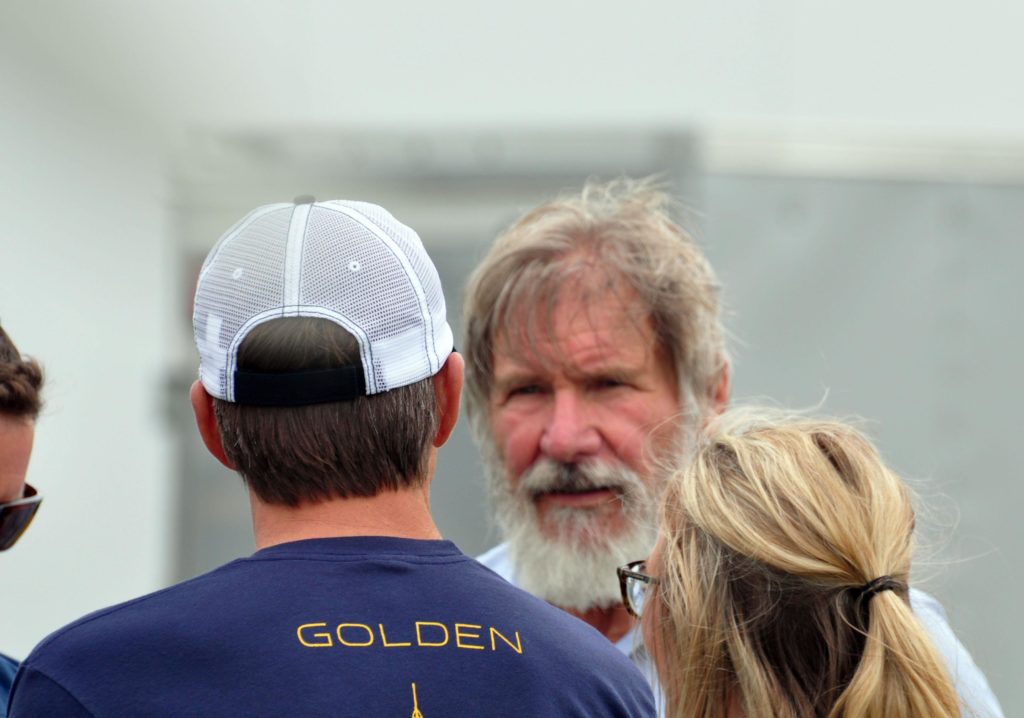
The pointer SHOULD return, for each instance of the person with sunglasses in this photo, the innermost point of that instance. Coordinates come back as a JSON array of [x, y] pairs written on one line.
[[20, 382], [779, 582]]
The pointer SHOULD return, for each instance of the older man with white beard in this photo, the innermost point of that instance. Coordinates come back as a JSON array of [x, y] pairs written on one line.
[[595, 353]]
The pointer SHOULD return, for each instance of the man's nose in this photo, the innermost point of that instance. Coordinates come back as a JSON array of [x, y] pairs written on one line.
[[570, 434]]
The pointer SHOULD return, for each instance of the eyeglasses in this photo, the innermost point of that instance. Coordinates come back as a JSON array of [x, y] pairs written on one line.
[[15, 516], [634, 584]]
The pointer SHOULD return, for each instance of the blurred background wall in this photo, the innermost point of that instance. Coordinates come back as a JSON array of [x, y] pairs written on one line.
[[856, 174]]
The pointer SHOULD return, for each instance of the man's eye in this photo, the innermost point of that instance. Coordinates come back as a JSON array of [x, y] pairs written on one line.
[[524, 390], [607, 383]]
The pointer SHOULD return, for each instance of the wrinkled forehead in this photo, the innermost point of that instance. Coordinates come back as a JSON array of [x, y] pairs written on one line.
[[582, 307]]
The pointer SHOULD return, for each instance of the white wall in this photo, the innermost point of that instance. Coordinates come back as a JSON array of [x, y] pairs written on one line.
[[907, 66], [83, 288]]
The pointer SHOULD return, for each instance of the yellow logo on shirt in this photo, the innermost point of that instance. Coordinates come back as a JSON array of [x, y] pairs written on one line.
[[415, 704], [422, 634]]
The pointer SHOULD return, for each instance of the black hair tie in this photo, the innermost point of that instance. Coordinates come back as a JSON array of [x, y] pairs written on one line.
[[882, 583]]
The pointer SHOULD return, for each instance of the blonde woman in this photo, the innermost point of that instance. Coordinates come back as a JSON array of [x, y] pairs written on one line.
[[779, 584]]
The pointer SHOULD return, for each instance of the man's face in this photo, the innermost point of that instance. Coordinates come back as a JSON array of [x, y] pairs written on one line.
[[578, 424], [16, 436]]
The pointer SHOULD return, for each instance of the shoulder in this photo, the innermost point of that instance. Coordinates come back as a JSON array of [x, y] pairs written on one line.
[[498, 560], [570, 658], [926, 606], [502, 579], [971, 684], [499, 563], [135, 635], [137, 621]]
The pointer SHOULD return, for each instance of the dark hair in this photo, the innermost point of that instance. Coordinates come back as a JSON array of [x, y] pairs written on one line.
[[20, 381], [342, 449]]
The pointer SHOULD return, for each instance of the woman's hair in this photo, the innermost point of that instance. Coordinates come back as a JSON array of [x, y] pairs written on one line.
[[20, 382], [784, 560]]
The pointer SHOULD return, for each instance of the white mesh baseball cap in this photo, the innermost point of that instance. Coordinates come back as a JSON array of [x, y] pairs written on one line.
[[349, 262]]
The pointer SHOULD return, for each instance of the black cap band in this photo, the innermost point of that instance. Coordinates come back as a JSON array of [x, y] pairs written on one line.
[[316, 386]]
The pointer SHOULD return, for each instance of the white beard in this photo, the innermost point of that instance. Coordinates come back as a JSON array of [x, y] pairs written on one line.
[[574, 568]]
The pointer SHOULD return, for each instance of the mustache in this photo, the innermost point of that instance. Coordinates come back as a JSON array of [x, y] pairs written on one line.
[[548, 476]]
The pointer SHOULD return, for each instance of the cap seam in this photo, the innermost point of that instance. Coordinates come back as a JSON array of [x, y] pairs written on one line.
[[412, 278]]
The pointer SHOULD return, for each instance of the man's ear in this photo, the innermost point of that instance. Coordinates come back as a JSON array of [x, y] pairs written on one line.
[[202, 406], [720, 394], [448, 390]]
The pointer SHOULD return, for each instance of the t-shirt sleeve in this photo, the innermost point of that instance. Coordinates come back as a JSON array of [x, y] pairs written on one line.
[[36, 694]]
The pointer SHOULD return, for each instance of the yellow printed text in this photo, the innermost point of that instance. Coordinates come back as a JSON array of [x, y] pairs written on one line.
[[420, 634]]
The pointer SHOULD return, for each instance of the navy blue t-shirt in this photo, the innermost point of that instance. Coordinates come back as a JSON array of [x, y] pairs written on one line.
[[8, 667], [364, 626]]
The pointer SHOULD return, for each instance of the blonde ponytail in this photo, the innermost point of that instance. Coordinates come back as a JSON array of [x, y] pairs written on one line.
[[899, 673], [784, 560]]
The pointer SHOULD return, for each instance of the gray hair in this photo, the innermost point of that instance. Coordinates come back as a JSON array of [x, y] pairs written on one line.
[[609, 235]]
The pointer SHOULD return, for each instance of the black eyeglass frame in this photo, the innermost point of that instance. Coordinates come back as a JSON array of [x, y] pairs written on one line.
[[29, 503], [634, 570]]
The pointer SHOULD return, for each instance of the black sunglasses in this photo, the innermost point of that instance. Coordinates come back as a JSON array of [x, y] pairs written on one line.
[[15, 516], [634, 582]]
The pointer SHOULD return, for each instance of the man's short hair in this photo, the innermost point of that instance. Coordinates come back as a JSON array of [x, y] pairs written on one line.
[[20, 382], [625, 231], [359, 447]]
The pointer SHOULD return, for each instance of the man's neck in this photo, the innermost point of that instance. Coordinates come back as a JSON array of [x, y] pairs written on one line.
[[403, 514], [613, 622]]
